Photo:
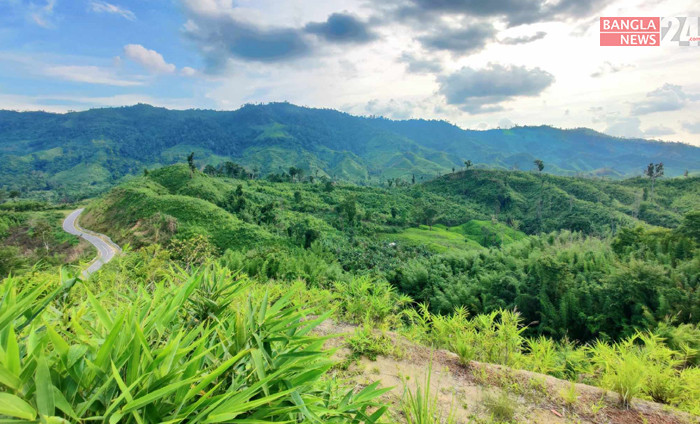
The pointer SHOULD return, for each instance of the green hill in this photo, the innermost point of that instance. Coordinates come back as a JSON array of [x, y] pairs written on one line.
[[147, 210], [80, 154], [477, 239]]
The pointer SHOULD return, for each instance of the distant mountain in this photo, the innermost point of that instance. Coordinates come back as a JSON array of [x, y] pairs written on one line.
[[83, 153]]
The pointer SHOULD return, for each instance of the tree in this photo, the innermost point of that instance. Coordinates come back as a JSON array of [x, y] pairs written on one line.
[[413, 178], [349, 208], [297, 197], [267, 213], [190, 162], [467, 164], [539, 164], [303, 232], [42, 230], [145, 172], [654, 171], [210, 170], [292, 172], [429, 214], [14, 194]]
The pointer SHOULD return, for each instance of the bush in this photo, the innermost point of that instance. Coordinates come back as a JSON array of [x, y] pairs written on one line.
[[366, 342], [147, 357]]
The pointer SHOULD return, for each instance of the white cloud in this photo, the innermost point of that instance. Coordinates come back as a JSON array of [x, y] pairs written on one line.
[[670, 97], [89, 75], [41, 15], [624, 127], [65, 103], [149, 59], [188, 72], [104, 7]]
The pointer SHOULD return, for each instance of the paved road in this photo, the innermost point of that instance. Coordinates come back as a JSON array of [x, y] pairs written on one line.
[[105, 250]]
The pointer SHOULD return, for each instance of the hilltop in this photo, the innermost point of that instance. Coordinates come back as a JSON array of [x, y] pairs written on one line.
[[80, 154]]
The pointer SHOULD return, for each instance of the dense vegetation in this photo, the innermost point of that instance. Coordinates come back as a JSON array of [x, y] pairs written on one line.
[[31, 237], [601, 259], [191, 349], [62, 157], [590, 280]]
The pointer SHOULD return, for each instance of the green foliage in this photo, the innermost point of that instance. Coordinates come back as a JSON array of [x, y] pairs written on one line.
[[369, 343], [288, 264], [151, 356], [366, 299], [191, 252], [569, 395], [31, 238]]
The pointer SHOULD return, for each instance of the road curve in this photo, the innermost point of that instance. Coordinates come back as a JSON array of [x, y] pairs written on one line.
[[105, 248]]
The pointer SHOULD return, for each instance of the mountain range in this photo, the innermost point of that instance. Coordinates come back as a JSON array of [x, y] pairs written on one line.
[[80, 154]]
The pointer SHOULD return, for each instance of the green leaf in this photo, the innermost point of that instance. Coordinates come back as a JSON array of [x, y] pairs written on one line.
[[44, 388], [75, 352], [12, 362], [62, 404], [101, 313], [155, 395], [9, 379], [260, 368], [14, 406]]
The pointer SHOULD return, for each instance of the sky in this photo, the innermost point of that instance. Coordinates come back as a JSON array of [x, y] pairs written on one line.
[[476, 63]]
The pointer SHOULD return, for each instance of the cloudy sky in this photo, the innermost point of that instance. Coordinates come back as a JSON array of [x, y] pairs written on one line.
[[476, 63]]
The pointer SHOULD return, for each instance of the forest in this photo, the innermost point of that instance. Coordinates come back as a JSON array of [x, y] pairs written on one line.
[[78, 155], [227, 271]]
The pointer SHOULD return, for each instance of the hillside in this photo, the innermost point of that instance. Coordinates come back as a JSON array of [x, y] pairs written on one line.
[[526, 297], [79, 154], [452, 242]]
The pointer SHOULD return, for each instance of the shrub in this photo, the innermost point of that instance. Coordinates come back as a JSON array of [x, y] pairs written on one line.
[[144, 357], [366, 342]]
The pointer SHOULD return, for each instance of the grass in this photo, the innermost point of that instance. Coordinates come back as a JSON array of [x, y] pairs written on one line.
[[420, 406], [438, 238], [471, 235], [500, 407]]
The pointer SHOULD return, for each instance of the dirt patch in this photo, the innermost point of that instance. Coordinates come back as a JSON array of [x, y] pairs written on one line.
[[477, 391]]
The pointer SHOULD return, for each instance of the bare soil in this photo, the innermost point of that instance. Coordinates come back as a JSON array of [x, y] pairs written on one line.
[[468, 389]]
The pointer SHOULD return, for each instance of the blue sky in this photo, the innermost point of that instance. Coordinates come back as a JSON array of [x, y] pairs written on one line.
[[477, 63]]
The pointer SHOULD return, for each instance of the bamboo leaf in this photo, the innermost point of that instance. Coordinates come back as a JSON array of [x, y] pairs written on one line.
[[44, 388], [14, 406]]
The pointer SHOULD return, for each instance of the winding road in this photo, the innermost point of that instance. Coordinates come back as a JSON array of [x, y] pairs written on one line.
[[106, 249]]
